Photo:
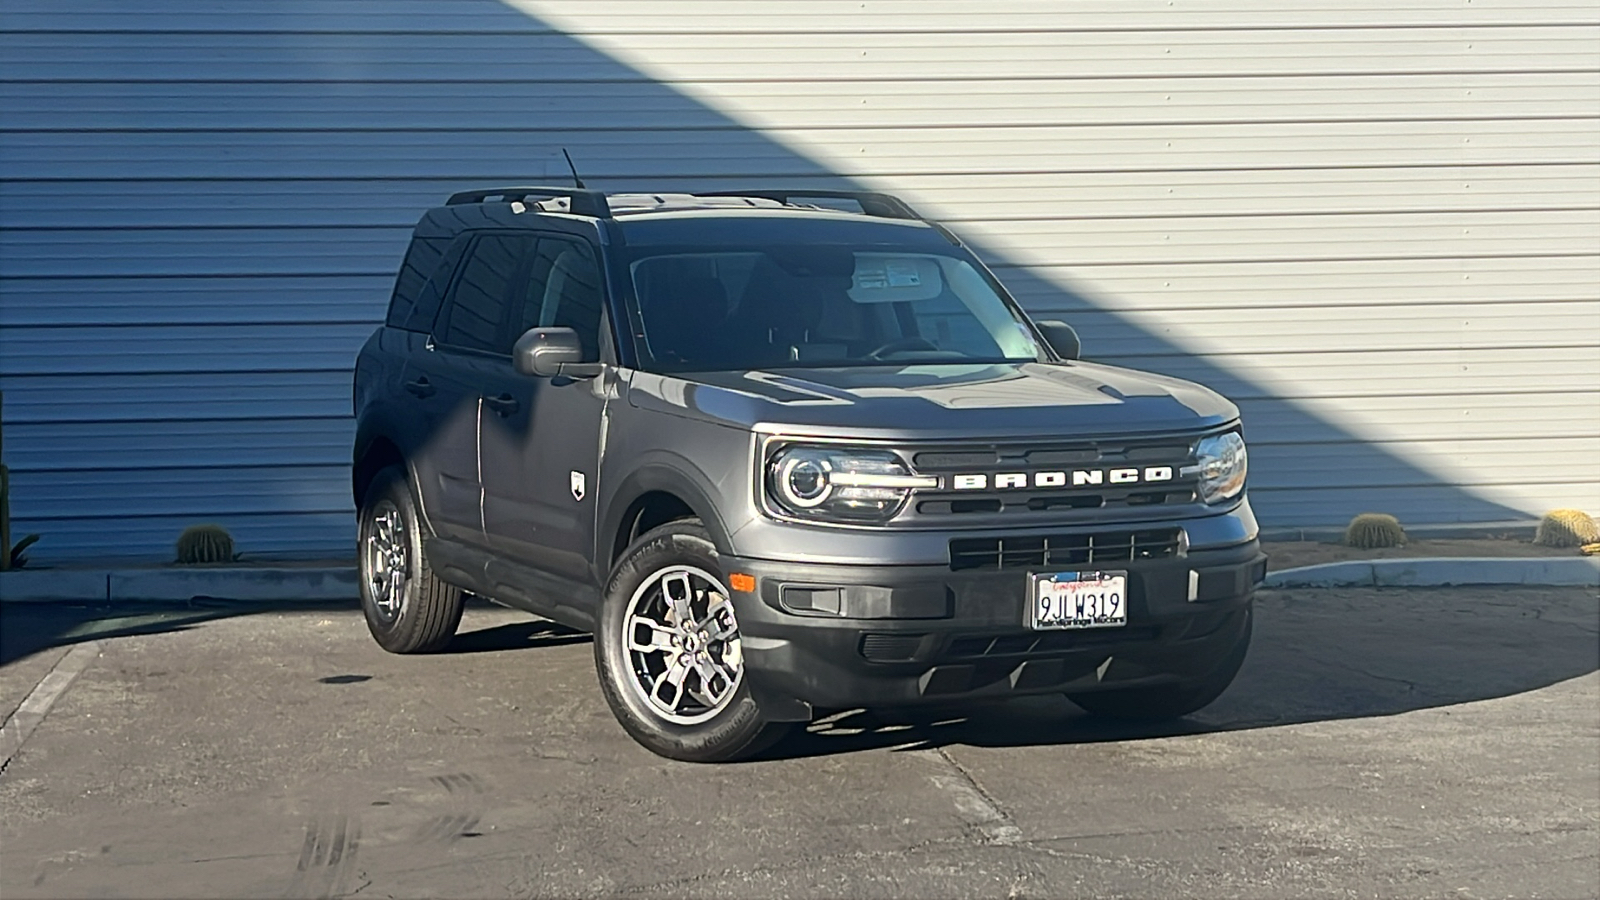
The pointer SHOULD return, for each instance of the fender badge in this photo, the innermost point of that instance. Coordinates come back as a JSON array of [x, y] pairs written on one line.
[[576, 483]]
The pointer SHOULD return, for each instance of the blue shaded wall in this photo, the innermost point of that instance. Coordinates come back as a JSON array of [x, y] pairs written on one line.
[[203, 206]]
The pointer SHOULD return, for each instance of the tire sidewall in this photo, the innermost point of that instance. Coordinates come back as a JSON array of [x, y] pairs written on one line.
[[397, 634], [721, 737]]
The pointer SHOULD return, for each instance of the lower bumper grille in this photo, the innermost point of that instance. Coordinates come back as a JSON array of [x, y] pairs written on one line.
[[1046, 642], [890, 647], [1033, 551]]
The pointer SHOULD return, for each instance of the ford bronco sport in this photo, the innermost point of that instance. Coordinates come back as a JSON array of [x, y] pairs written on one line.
[[782, 452]]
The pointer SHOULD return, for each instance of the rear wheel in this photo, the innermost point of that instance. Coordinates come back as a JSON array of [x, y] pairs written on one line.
[[408, 609], [668, 651], [1170, 701]]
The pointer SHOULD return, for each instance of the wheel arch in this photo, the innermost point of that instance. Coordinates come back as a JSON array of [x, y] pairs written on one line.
[[651, 496], [372, 456]]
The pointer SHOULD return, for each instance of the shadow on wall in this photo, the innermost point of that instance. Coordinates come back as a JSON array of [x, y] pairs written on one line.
[[284, 151], [1291, 459]]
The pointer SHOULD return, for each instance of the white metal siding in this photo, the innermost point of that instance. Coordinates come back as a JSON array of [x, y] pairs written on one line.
[[1374, 224]]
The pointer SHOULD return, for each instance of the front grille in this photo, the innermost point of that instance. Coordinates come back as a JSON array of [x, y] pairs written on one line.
[[1071, 499], [1062, 550]]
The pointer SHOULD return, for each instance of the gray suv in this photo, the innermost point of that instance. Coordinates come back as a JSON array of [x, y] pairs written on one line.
[[784, 452]]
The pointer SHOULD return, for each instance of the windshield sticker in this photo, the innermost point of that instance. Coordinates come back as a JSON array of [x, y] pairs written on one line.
[[894, 279], [871, 279], [903, 275]]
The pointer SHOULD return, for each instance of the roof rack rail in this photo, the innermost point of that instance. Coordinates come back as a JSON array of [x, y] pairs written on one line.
[[584, 202], [873, 203]]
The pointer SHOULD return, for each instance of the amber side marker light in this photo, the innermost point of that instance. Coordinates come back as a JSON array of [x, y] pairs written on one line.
[[742, 582]]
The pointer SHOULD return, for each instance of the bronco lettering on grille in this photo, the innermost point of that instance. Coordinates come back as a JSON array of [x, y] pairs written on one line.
[[1077, 478]]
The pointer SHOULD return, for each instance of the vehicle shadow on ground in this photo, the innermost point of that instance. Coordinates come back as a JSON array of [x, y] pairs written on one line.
[[29, 628], [1316, 656], [532, 634]]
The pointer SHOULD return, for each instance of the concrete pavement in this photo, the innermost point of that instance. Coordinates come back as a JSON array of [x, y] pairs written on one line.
[[1378, 743]]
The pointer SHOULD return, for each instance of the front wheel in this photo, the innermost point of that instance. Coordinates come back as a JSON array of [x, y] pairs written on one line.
[[668, 651], [1170, 701]]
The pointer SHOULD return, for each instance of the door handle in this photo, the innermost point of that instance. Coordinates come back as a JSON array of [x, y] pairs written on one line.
[[421, 387], [505, 404]]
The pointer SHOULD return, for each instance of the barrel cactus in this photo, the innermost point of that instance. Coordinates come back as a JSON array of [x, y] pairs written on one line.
[[205, 544], [1372, 530], [1566, 528]]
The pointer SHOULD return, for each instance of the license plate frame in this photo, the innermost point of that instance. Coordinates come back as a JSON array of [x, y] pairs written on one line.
[[1097, 599]]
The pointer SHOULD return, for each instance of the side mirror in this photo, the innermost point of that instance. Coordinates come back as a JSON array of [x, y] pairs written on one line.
[[1062, 338], [543, 351]]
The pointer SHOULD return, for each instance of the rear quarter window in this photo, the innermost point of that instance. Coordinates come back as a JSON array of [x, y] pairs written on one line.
[[424, 274]]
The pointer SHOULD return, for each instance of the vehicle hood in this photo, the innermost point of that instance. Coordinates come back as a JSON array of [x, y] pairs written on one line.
[[938, 401]]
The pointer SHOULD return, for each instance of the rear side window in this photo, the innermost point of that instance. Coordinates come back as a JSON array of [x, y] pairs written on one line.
[[475, 317], [421, 260], [424, 276]]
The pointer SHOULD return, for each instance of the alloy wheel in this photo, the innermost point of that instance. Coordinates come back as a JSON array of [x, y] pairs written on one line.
[[683, 644], [387, 556]]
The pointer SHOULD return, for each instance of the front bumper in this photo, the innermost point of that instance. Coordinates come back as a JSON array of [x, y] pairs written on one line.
[[844, 636]]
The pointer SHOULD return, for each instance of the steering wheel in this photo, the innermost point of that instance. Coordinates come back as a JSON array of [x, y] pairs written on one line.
[[901, 344]]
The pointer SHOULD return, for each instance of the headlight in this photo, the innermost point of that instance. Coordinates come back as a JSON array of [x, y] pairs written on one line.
[[840, 483], [1222, 465]]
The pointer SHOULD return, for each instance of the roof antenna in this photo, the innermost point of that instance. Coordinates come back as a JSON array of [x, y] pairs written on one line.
[[576, 181]]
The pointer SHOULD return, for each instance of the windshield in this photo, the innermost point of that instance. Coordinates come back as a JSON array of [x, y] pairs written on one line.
[[776, 306]]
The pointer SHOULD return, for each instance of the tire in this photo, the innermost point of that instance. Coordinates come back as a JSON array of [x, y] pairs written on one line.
[[1170, 701], [416, 613], [682, 694]]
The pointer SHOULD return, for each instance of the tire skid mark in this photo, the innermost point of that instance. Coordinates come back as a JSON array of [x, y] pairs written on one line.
[[327, 857], [458, 783], [464, 798], [447, 828]]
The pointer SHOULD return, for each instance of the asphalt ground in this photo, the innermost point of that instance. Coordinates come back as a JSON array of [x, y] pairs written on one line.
[[1422, 742]]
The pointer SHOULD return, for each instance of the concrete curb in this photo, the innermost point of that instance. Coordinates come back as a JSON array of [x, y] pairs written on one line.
[[1522, 529], [253, 583], [1575, 571], [52, 585]]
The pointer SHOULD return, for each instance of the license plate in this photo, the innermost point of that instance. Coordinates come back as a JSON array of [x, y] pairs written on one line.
[[1079, 600]]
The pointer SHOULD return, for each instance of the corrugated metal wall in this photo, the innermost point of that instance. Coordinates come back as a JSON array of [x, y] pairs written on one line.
[[1376, 224]]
